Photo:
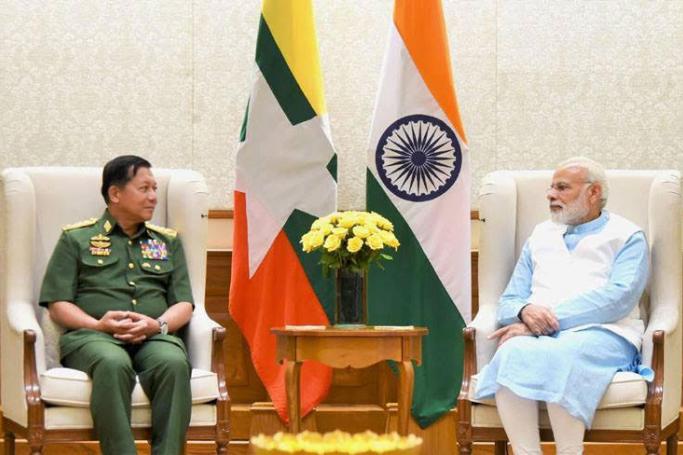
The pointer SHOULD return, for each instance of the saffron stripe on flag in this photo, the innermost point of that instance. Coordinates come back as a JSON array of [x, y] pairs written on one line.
[[430, 53]]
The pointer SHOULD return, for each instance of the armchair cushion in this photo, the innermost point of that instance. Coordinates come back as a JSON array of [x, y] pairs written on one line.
[[627, 389], [72, 388], [631, 418], [64, 418]]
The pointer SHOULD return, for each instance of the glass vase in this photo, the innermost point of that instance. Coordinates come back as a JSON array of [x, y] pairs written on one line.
[[351, 309]]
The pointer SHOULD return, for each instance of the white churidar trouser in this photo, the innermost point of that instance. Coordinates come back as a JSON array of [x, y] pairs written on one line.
[[520, 420]]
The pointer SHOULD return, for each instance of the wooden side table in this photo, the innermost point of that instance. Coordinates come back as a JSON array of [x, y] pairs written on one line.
[[356, 348]]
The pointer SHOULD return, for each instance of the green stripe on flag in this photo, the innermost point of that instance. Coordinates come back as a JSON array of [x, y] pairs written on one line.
[[332, 167], [280, 78], [243, 130], [297, 225], [409, 292]]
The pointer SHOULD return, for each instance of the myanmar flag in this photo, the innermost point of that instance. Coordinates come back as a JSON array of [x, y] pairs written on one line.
[[286, 168], [418, 177]]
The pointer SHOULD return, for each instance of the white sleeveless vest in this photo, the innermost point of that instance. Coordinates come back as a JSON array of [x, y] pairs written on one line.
[[560, 274]]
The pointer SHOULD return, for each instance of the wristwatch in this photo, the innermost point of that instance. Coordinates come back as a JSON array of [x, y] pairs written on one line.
[[163, 326]]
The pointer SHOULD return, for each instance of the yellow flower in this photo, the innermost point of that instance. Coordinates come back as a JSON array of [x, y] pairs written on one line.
[[348, 219], [332, 243], [306, 242], [326, 228], [386, 224], [375, 242], [361, 231], [354, 244], [340, 231], [317, 239], [389, 239], [317, 223], [381, 221]]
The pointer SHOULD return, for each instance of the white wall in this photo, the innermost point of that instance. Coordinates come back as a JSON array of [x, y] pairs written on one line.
[[537, 81]]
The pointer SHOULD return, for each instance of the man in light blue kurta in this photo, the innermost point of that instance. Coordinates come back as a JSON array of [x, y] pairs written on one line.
[[569, 316]]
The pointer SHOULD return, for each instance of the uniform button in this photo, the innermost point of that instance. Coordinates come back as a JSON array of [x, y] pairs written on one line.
[[134, 302], [130, 242], [131, 265], [100, 261], [156, 267], [132, 283], [146, 265]]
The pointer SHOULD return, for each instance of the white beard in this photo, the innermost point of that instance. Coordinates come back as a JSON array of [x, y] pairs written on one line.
[[573, 212]]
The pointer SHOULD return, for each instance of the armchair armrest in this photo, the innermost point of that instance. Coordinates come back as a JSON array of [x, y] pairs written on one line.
[[223, 402], [199, 338], [484, 324], [662, 351], [22, 341], [34, 403]]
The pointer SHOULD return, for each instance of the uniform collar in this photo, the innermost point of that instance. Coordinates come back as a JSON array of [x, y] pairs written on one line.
[[108, 224]]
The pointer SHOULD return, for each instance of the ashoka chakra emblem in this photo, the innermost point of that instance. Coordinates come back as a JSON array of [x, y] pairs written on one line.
[[418, 157]]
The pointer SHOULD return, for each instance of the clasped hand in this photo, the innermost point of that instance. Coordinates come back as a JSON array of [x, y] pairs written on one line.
[[128, 326], [539, 319], [536, 320]]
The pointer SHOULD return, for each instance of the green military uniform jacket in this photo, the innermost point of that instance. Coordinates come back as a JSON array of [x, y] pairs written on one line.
[[96, 266]]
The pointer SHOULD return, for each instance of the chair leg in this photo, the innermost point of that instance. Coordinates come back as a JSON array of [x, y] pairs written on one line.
[[501, 448], [672, 445], [465, 448], [9, 443], [652, 441], [221, 447]]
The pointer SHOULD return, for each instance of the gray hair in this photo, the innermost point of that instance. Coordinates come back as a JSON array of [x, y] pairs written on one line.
[[594, 170]]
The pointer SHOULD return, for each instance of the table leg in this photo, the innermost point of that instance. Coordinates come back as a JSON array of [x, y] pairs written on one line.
[[292, 384], [405, 395]]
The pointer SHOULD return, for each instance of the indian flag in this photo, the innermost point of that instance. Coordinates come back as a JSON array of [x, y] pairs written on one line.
[[286, 176], [418, 177]]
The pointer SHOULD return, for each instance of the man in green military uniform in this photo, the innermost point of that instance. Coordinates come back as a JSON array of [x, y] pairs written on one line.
[[120, 288]]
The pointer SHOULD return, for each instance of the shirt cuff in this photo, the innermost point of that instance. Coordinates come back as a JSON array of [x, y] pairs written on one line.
[[508, 313]]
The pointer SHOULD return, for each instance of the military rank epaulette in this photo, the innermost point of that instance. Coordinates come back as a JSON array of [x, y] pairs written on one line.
[[80, 224], [168, 232]]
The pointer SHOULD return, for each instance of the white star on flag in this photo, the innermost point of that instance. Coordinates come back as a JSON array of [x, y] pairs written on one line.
[[294, 178]]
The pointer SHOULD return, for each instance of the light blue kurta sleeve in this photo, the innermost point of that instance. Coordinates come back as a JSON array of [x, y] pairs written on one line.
[[617, 297], [518, 289]]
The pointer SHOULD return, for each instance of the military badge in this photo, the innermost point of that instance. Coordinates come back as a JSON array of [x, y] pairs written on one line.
[[154, 249], [100, 245]]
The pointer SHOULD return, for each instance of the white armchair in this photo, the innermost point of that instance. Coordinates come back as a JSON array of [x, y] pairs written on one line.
[[43, 402], [510, 205]]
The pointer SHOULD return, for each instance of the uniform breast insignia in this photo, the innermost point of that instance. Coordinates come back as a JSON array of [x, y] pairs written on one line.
[[168, 232], [154, 249], [100, 245], [80, 224]]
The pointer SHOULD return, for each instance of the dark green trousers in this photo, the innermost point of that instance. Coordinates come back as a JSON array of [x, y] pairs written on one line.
[[164, 374]]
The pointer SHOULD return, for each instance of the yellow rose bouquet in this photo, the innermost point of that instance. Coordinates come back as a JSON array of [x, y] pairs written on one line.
[[336, 443], [350, 240]]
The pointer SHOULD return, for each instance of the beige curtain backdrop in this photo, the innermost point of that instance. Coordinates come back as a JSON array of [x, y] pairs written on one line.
[[537, 81]]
